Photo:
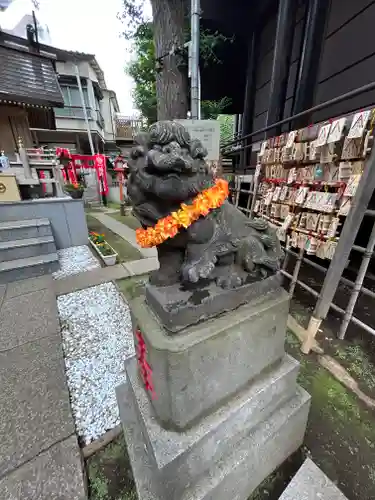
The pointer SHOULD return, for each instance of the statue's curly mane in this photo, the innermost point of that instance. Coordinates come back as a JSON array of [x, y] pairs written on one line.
[[167, 169], [165, 132]]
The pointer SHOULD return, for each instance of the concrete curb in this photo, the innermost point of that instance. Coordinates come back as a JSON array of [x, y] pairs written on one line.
[[98, 276], [102, 442]]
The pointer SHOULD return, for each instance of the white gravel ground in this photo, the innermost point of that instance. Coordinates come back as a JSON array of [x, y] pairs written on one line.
[[75, 260], [97, 338]]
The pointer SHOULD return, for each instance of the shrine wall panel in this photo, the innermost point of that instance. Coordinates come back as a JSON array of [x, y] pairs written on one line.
[[259, 122], [350, 44], [287, 112], [267, 37], [348, 59], [355, 76], [342, 11], [263, 70], [262, 99]]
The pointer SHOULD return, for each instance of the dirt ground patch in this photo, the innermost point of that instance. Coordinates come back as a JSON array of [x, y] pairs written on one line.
[[356, 353], [133, 287], [340, 436], [109, 473]]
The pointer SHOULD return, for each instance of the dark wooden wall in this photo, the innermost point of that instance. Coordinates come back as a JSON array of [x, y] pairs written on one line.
[[348, 58], [264, 66]]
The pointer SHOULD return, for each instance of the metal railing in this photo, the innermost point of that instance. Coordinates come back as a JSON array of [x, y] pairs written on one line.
[[73, 112], [333, 275], [127, 128], [314, 109], [41, 156]]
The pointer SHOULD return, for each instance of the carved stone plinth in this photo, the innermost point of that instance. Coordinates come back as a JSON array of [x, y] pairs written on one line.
[[210, 412], [197, 370], [178, 308]]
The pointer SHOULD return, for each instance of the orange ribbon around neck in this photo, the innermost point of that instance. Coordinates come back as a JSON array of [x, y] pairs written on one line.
[[169, 226]]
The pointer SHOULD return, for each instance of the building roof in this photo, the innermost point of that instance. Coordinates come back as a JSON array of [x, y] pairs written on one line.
[[28, 77], [57, 54], [71, 55]]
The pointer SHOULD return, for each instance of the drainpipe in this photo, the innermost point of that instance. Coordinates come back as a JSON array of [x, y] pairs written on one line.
[[248, 108], [312, 48], [87, 127], [195, 79], [84, 109], [281, 62]]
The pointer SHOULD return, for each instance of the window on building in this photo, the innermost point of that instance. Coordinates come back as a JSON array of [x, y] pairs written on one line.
[[97, 105], [72, 102]]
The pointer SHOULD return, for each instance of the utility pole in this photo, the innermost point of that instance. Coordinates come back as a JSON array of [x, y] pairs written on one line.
[[89, 136], [195, 77]]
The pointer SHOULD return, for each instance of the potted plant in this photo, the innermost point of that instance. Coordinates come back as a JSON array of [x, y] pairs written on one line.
[[75, 190], [105, 251]]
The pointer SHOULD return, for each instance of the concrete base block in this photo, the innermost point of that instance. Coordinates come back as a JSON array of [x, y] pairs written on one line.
[[229, 453], [310, 483], [197, 370]]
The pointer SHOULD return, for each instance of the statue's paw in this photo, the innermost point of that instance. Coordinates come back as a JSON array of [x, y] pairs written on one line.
[[199, 270], [228, 282]]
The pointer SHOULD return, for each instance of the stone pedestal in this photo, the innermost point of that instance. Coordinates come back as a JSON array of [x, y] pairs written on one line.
[[210, 412]]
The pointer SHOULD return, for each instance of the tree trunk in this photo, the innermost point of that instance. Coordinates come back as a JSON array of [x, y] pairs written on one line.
[[172, 80]]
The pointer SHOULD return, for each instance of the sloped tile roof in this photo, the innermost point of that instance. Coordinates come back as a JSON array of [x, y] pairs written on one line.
[[28, 78]]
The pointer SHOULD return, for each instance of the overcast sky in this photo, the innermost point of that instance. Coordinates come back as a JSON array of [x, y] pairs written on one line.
[[86, 26]]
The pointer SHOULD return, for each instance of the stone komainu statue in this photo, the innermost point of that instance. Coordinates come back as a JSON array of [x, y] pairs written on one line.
[[167, 168]]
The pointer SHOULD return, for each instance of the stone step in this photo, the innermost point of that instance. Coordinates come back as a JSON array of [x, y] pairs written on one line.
[[28, 247], [311, 483], [24, 229], [31, 267]]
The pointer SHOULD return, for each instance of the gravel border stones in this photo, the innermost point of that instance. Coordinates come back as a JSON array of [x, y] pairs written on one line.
[[75, 260], [97, 338]]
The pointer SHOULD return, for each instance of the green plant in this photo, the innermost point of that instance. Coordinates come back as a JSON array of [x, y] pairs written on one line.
[[98, 485], [143, 69], [74, 186], [211, 110], [100, 243]]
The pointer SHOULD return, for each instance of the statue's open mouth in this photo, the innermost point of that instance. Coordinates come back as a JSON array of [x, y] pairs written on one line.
[[171, 172]]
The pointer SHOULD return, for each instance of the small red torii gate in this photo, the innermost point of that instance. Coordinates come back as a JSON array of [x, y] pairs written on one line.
[[72, 162]]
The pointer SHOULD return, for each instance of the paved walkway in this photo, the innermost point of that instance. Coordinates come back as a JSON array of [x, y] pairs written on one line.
[[124, 231], [39, 453]]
